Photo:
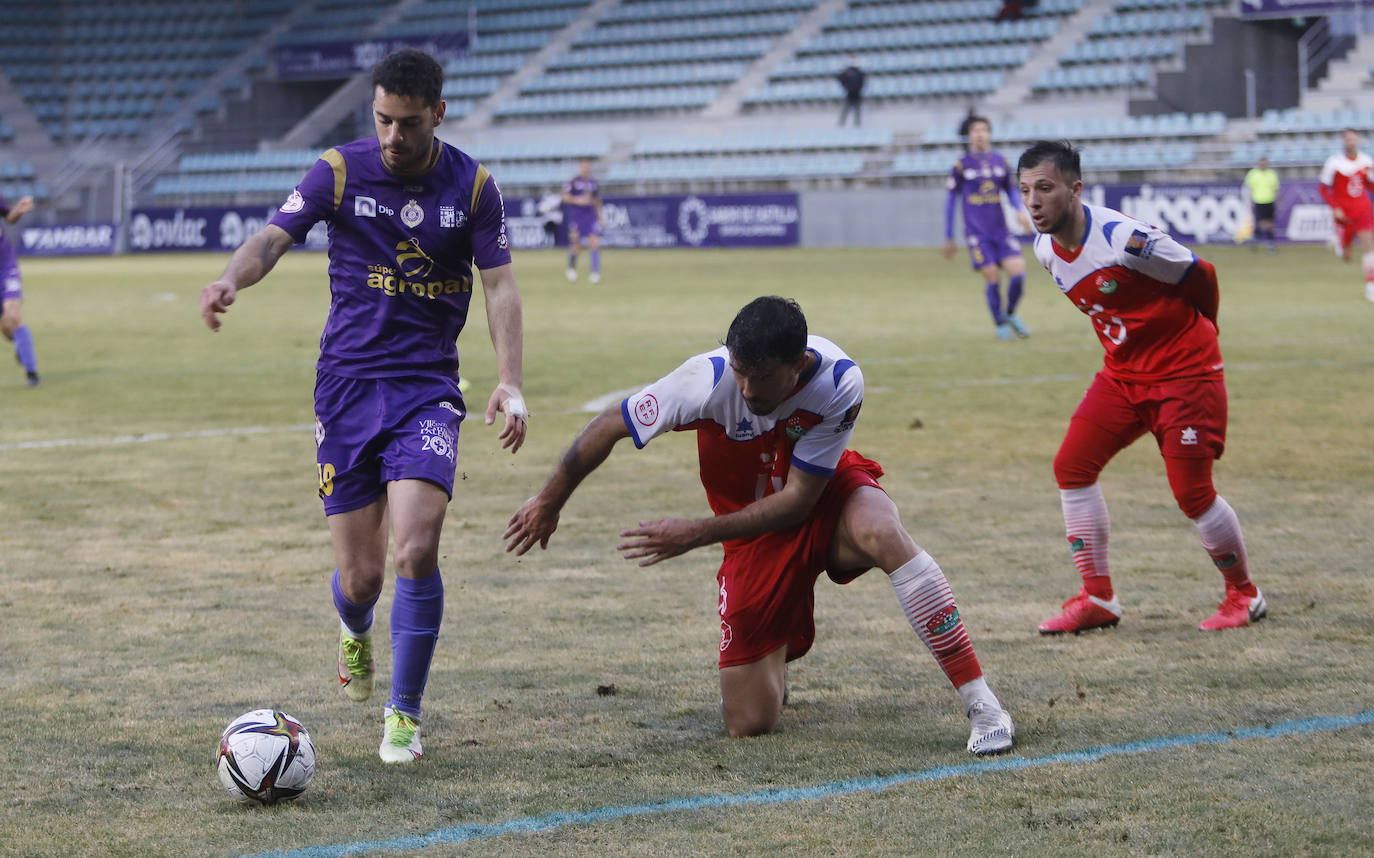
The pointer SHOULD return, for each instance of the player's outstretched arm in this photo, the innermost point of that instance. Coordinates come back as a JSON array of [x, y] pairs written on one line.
[[505, 321], [249, 264], [653, 541], [537, 519]]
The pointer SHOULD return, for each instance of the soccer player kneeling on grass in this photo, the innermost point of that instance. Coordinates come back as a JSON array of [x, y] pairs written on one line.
[[773, 411], [1154, 307]]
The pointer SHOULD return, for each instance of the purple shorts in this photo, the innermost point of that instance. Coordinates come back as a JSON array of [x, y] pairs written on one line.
[[583, 220], [371, 431], [11, 287], [985, 250]]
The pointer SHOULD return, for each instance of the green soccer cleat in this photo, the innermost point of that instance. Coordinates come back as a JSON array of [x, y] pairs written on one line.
[[400, 737], [355, 664]]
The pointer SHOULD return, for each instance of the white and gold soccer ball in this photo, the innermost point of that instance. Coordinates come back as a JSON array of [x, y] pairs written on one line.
[[265, 756]]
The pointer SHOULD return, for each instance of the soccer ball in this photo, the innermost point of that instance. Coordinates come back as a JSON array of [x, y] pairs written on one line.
[[265, 756]]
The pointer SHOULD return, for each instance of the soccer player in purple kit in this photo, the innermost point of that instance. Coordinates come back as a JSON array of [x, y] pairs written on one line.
[[582, 210], [409, 216], [978, 179], [12, 292]]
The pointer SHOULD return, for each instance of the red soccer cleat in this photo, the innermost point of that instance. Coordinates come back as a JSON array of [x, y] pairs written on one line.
[[1236, 610], [1083, 612]]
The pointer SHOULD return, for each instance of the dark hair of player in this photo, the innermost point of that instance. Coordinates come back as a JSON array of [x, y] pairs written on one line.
[[768, 328], [410, 72], [974, 120], [1060, 153]]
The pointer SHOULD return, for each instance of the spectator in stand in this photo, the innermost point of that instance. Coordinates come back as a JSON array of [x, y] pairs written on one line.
[[852, 79]]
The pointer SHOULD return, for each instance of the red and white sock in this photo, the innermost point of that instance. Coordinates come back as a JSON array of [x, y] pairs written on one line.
[[930, 609], [1219, 528], [1086, 524]]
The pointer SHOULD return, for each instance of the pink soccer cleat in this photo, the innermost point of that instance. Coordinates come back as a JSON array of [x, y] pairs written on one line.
[[1236, 610], [1083, 612]]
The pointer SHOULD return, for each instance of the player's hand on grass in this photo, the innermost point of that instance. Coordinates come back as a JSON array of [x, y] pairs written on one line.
[[658, 540], [215, 299], [947, 251], [532, 523], [506, 398]]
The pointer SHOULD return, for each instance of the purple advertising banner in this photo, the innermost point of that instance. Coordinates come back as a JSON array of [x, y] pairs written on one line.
[[341, 59], [692, 220], [1213, 212], [203, 228], [73, 239]]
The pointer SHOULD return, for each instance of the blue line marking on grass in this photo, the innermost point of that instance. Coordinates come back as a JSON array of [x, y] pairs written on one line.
[[552, 821]]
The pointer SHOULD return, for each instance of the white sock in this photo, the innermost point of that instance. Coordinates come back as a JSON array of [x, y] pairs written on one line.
[[1219, 529], [1087, 526]]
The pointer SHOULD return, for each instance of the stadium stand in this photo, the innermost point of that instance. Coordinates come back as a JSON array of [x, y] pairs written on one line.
[[660, 93]]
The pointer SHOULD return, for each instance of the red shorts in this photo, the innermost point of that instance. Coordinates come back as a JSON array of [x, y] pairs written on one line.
[[1356, 221], [1187, 417], [767, 585]]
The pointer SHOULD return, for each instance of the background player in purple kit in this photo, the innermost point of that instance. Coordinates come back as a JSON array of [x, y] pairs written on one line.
[[12, 292], [409, 216], [979, 179], [582, 210]]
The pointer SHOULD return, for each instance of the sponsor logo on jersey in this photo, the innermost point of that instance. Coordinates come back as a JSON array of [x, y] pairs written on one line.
[[847, 421], [364, 207], [412, 214], [646, 410], [944, 620], [294, 203], [447, 217], [1140, 244]]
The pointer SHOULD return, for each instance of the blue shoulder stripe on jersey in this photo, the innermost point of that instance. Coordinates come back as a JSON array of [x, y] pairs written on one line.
[[1087, 225], [718, 363], [1189, 269], [630, 424], [1108, 229], [842, 367], [812, 469]]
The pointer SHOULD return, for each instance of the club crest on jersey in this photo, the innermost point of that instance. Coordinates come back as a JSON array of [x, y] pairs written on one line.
[[1106, 287], [800, 423], [1140, 244], [412, 214]]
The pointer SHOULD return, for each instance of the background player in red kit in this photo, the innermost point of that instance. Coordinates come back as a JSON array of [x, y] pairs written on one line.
[[1154, 307], [773, 411], [1346, 181]]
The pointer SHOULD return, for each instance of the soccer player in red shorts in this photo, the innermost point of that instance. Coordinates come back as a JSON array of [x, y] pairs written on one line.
[[1154, 307], [773, 411], [1345, 185]]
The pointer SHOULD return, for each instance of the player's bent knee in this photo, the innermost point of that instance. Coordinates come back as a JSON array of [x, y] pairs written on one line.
[[755, 722], [1072, 472]]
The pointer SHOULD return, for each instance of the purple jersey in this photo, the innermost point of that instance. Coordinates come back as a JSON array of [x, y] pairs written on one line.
[[11, 287], [577, 186], [401, 253], [7, 251], [979, 179]]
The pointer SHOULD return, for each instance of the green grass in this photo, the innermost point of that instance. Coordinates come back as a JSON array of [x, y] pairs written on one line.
[[153, 591]]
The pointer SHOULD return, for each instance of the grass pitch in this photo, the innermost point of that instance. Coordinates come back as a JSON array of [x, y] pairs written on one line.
[[165, 567]]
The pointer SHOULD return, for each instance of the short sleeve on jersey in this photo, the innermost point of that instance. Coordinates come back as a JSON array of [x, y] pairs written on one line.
[[818, 450], [674, 400], [490, 243], [1149, 250], [316, 198]]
